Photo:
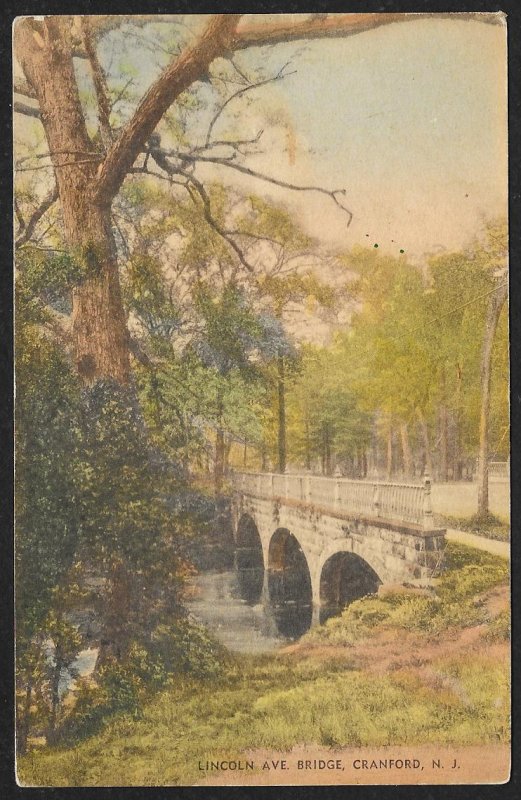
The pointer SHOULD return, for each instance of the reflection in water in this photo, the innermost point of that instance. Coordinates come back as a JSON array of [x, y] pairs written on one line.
[[241, 627], [249, 561], [231, 604]]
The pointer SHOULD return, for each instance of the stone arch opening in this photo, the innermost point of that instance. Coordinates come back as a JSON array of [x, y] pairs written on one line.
[[289, 585], [345, 577], [249, 560]]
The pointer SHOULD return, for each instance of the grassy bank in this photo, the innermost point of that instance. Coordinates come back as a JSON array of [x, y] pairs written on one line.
[[401, 669], [489, 526]]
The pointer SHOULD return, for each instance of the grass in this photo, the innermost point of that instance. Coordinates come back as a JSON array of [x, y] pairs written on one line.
[[455, 604], [276, 707], [286, 699], [489, 525]]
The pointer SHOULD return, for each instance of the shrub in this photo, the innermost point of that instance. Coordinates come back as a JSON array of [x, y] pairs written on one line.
[[187, 648]]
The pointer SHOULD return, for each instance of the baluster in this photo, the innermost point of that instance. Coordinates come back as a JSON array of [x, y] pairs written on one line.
[[376, 499], [427, 504], [336, 494]]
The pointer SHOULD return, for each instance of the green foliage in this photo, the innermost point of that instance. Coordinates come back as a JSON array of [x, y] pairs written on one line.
[[146, 296], [411, 353], [48, 442], [180, 651], [277, 703], [231, 333], [87, 500], [50, 276], [324, 413], [468, 574], [187, 648]]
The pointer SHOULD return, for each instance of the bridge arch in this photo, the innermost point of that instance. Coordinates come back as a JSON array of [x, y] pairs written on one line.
[[289, 584], [249, 560], [344, 577]]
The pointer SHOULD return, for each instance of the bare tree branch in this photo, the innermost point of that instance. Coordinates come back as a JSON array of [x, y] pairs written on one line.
[[225, 162], [212, 222], [100, 83], [137, 351], [121, 93], [19, 216], [38, 156], [279, 76], [29, 227], [333, 25], [176, 78], [21, 86], [191, 183], [26, 110], [57, 166], [236, 144]]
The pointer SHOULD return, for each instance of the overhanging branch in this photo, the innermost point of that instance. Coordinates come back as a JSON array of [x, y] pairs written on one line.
[[224, 162], [313, 27], [176, 78]]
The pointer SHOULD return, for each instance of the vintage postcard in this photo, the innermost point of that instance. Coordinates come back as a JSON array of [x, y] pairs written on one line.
[[262, 400]]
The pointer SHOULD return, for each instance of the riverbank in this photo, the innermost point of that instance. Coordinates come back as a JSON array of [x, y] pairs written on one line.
[[402, 670]]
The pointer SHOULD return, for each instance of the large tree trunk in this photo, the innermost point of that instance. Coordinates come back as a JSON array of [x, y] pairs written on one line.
[[219, 459], [406, 450], [389, 455], [100, 339], [426, 441], [115, 637], [25, 719], [443, 465], [495, 305]]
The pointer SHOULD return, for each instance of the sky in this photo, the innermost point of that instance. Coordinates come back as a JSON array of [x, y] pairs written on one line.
[[410, 119]]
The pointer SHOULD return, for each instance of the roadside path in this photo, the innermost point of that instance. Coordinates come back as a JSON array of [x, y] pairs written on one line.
[[460, 499], [479, 542]]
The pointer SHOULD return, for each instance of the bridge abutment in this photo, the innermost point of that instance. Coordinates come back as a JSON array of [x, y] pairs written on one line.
[[358, 551]]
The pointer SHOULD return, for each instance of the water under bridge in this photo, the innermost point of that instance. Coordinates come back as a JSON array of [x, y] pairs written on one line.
[[309, 545]]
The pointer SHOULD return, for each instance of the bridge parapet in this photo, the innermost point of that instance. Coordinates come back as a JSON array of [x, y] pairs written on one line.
[[404, 502]]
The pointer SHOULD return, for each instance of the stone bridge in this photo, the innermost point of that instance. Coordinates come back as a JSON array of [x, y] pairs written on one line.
[[308, 545]]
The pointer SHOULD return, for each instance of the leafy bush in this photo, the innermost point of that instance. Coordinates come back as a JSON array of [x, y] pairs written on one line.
[[187, 648], [471, 580]]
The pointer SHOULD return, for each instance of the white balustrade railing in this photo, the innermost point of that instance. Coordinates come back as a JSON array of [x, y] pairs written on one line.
[[407, 502], [499, 469]]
